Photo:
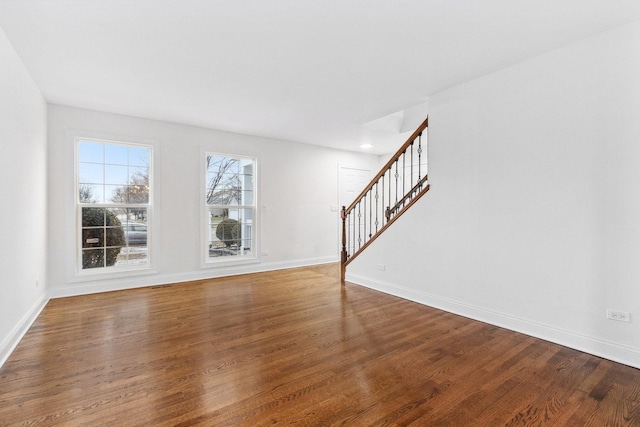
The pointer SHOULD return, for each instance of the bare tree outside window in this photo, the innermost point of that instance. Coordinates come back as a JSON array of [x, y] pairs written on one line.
[[223, 181], [85, 192]]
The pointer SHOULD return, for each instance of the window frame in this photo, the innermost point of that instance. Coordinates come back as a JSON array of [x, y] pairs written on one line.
[[115, 270], [224, 261]]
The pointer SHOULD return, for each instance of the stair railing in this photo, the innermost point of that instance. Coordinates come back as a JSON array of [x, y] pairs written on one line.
[[398, 185]]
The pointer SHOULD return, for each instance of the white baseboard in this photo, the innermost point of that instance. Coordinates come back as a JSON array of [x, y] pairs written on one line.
[[596, 346], [11, 341], [138, 281]]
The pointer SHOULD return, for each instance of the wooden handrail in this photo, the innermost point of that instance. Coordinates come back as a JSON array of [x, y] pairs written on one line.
[[348, 259], [406, 197], [398, 153], [352, 221]]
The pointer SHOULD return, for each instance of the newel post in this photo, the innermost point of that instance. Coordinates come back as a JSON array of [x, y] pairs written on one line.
[[343, 253]]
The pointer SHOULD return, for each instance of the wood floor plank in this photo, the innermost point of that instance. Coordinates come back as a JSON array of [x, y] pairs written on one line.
[[294, 347]]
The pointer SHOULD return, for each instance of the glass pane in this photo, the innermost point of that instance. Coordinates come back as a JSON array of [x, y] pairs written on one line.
[[213, 163], [115, 216], [135, 233], [138, 175], [137, 215], [133, 255], [247, 198], [139, 156], [115, 236], [246, 182], [123, 256], [93, 217], [111, 256], [210, 178], [92, 258], [214, 197], [90, 173], [88, 193], [138, 256], [246, 246], [93, 237], [118, 175], [116, 194], [138, 194], [90, 152], [115, 154], [230, 196], [139, 182], [231, 179]]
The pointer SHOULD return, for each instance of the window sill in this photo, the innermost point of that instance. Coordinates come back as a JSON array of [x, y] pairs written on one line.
[[106, 273], [229, 263]]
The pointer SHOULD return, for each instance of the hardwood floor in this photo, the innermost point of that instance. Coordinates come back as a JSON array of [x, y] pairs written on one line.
[[293, 347]]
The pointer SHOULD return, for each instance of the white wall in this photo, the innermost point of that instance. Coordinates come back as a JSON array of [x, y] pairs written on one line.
[[533, 218], [299, 184], [23, 186]]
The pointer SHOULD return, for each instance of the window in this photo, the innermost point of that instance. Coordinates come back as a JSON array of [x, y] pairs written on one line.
[[230, 207], [113, 204]]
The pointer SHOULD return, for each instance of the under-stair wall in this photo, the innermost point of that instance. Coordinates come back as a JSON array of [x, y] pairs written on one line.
[[532, 219]]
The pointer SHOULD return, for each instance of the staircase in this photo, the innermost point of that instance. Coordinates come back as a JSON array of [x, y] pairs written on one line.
[[398, 185]]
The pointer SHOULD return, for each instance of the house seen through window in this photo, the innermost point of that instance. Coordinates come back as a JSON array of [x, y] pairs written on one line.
[[113, 204]]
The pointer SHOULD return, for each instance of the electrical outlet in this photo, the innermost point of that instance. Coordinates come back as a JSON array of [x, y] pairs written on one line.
[[620, 316], [381, 267]]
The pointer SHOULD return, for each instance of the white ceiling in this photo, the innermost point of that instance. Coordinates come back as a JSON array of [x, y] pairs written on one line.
[[320, 72]]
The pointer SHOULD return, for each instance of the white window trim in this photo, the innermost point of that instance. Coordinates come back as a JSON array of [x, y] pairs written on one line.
[[206, 261], [74, 263]]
